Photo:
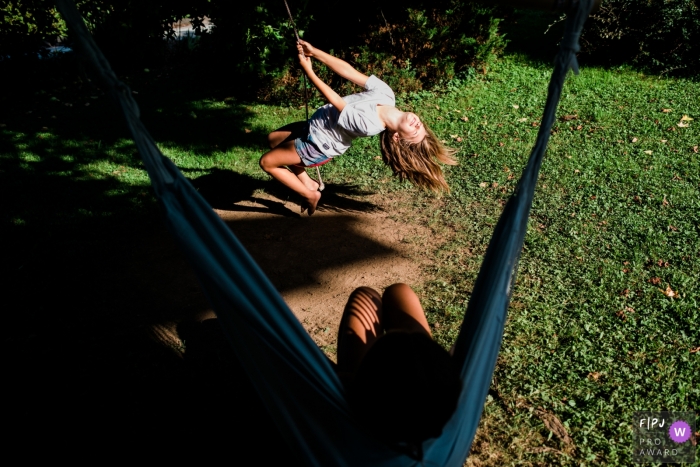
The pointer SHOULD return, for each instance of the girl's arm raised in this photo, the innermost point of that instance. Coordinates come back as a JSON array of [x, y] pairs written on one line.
[[340, 67], [326, 90]]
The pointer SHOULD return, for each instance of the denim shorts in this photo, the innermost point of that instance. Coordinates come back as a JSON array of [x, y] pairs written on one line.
[[308, 151]]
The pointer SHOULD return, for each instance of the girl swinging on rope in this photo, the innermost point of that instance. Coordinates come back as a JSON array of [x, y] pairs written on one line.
[[408, 147]]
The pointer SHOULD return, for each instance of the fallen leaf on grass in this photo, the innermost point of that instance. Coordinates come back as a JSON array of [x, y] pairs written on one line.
[[465, 119], [594, 375], [674, 228], [669, 292], [695, 149], [686, 118], [682, 125], [500, 144], [634, 140], [662, 264], [522, 120], [622, 314], [483, 184], [566, 118], [648, 152], [695, 349], [554, 425], [655, 280], [664, 140], [516, 106], [666, 111], [535, 124]]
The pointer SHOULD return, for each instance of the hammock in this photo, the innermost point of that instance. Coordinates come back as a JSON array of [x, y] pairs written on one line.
[[292, 376]]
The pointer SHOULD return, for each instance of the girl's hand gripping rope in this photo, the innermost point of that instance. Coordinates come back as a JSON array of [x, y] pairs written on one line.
[[305, 48]]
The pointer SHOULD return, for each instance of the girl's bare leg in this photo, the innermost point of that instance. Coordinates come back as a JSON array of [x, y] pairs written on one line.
[[274, 163], [290, 133], [360, 327], [301, 174], [403, 311]]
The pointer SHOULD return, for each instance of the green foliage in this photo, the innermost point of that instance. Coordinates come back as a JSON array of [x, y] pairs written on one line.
[[26, 25], [433, 40], [417, 46], [661, 35], [255, 38]]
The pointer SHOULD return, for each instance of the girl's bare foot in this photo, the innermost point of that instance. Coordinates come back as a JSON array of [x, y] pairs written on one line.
[[311, 202], [311, 184], [308, 182]]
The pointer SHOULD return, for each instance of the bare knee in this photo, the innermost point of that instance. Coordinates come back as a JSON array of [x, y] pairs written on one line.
[[265, 164], [397, 290], [368, 292]]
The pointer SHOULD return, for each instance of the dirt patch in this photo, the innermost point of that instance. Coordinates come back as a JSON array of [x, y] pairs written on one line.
[[316, 262]]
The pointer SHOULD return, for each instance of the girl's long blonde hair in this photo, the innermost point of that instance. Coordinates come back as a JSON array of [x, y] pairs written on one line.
[[418, 162]]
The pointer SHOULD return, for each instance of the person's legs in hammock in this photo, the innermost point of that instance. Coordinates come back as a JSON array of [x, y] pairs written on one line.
[[390, 366], [368, 316]]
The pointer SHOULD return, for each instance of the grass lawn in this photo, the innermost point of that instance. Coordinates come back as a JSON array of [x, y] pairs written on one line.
[[603, 320]]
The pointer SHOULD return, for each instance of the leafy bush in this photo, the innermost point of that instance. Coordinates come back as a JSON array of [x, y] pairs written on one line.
[[26, 26], [417, 46], [660, 35]]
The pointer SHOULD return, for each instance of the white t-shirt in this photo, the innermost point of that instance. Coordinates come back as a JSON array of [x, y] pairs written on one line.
[[333, 132]]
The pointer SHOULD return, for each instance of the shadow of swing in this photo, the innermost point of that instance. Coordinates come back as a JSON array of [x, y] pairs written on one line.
[[225, 189]]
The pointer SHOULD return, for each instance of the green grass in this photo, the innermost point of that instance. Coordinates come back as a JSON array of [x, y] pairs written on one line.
[[591, 335]]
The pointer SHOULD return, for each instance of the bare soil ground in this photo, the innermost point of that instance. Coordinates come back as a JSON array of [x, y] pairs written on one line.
[[316, 262]]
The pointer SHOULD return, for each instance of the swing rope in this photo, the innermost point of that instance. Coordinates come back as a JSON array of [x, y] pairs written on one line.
[[321, 185]]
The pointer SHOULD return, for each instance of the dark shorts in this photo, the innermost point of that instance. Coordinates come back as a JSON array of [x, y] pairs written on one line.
[[309, 153]]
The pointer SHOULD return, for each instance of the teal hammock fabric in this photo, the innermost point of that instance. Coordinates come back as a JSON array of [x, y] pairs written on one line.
[[293, 377]]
